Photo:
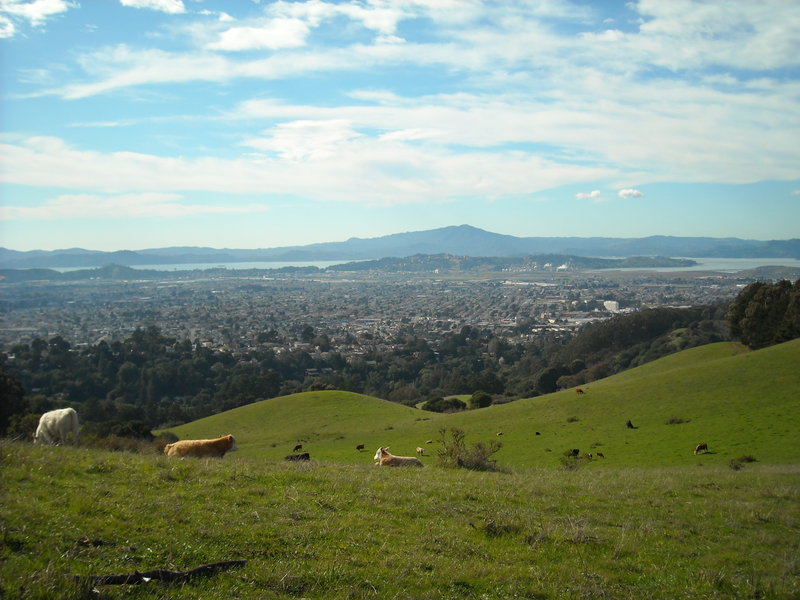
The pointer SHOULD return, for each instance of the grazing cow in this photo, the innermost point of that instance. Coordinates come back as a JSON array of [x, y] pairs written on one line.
[[573, 453], [215, 448], [701, 448], [599, 455], [499, 433], [56, 425], [298, 448], [384, 458], [629, 425], [429, 442], [420, 450], [303, 456], [538, 433], [579, 391], [360, 447]]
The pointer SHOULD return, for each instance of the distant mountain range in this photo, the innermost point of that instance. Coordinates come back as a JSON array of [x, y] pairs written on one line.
[[463, 240]]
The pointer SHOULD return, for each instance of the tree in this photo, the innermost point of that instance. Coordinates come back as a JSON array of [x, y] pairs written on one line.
[[480, 399], [441, 405], [12, 399], [766, 313]]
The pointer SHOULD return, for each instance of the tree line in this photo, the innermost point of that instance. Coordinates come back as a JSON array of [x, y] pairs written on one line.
[[150, 380]]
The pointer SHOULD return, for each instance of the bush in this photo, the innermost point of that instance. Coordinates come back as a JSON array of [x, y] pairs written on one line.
[[480, 400], [454, 452], [677, 421], [441, 405]]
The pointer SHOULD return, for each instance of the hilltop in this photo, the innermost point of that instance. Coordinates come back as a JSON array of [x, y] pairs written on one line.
[[740, 402]]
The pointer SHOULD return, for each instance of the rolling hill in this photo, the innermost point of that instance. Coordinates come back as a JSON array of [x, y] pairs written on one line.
[[741, 403], [462, 240]]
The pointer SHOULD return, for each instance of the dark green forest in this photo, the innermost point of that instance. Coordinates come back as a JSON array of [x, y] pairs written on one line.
[[152, 381]]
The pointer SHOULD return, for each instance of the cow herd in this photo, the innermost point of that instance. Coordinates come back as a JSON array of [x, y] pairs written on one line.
[[56, 426]]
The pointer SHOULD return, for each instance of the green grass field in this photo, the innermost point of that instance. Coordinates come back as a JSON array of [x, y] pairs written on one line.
[[338, 531], [651, 520], [738, 402]]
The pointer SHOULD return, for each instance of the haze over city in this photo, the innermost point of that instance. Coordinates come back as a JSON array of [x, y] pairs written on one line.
[[132, 124]]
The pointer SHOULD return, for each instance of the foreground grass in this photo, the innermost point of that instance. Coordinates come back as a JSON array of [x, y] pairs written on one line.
[[355, 531]]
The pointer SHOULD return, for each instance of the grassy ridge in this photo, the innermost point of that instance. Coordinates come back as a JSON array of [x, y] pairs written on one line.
[[739, 402], [650, 521], [338, 531]]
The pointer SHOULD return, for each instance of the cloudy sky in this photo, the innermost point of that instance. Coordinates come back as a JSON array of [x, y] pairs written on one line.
[[130, 124]]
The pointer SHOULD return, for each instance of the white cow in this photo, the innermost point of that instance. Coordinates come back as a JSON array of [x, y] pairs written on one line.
[[56, 425]]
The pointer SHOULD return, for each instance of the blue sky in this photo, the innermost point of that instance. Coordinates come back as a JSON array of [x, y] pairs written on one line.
[[131, 124]]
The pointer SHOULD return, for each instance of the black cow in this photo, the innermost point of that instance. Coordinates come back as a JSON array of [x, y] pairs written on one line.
[[301, 456]]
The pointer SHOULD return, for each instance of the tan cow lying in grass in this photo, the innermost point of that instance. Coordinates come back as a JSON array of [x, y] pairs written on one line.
[[384, 458], [202, 448]]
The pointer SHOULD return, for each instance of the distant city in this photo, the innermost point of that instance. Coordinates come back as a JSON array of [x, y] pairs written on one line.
[[352, 311]]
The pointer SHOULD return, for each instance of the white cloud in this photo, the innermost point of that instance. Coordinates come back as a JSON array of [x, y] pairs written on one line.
[[361, 170], [630, 193], [746, 35], [34, 12], [222, 17], [168, 6], [381, 17], [305, 140], [7, 28], [795, 192], [594, 196], [413, 133], [275, 34], [559, 90], [123, 206]]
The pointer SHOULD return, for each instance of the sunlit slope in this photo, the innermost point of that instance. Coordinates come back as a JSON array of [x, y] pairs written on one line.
[[329, 425], [738, 402]]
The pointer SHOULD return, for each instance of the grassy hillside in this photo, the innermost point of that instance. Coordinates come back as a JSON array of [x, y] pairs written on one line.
[[335, 531], [738, 402]]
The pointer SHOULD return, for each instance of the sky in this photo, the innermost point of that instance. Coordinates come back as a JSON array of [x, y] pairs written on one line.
[[133, 124]]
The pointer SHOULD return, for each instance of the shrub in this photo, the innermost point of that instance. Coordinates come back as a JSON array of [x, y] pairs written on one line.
[[454, 452], [480, 400], [677, 421], [441, 405]]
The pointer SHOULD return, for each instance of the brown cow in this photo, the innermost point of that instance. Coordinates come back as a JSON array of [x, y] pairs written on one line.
[[701, 448], [202, 448], [579, 391]]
